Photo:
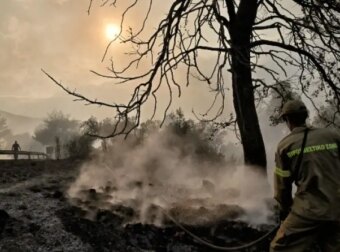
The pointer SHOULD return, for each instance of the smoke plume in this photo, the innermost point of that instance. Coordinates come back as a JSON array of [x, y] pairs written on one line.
[[156, 176]]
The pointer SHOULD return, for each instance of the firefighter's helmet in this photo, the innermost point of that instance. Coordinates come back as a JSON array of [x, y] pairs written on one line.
[[293, 107]]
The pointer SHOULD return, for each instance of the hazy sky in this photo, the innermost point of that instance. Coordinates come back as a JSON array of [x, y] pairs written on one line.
[[60, 37]]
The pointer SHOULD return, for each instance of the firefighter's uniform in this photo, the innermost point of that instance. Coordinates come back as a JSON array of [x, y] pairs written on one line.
[[314, 213]]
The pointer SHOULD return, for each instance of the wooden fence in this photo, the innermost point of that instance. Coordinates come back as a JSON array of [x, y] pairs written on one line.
[[28, 154]]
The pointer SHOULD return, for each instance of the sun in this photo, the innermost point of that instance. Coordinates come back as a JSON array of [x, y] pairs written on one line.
[[112, 31]]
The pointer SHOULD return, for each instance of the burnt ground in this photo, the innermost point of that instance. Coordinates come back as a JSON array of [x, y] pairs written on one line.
[[36, 216]]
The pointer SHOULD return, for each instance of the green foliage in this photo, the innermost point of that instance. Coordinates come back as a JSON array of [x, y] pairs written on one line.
[[200, 140], [104, 128], [147, 128], [80, 147], [56, 124], [91, 126]]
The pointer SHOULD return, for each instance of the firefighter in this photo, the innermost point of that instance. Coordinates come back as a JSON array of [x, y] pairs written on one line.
[[16, 148], [313, 215]]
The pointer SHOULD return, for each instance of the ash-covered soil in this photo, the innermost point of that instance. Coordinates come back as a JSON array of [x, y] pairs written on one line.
[[36, 215]]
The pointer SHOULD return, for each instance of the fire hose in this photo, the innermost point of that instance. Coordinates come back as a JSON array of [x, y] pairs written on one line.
[[222, 248]]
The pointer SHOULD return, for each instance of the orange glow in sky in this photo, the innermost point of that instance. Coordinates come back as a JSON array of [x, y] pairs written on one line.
[[112, 31]]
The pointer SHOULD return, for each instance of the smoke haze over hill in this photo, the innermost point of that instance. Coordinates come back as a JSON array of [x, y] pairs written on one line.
[[20, 124]]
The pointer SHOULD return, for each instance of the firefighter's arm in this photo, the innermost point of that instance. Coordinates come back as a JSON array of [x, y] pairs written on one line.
[[282, 186]]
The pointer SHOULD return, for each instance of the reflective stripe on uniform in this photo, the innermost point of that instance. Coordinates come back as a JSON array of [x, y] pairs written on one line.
[[282, 173], [313, 148]]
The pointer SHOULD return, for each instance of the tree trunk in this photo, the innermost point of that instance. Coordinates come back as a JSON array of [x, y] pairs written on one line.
[[247, 120], [243, 93]]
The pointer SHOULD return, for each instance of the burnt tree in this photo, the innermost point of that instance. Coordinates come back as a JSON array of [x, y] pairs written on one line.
[[257, 44]]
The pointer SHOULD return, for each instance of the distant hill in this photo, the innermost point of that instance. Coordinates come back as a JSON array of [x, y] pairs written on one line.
[[19, 124]]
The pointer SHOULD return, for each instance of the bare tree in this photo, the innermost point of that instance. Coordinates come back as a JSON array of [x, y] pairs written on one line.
[[328, 116], [255, 43]]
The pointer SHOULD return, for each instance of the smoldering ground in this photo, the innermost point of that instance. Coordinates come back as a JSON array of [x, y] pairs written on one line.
[[102, 205], [165, 174]]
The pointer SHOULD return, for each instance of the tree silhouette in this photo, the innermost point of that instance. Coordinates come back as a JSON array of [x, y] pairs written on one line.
[[56, 124], [5, 132], [328, 116], [255, 44]]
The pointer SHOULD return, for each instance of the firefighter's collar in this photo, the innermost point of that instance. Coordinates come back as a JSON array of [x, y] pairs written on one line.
[[299, 129]]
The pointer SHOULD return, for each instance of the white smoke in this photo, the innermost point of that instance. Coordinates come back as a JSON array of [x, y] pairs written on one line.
[[156, 174]]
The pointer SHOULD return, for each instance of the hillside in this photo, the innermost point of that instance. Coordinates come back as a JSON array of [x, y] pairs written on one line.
[[19, 124]]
